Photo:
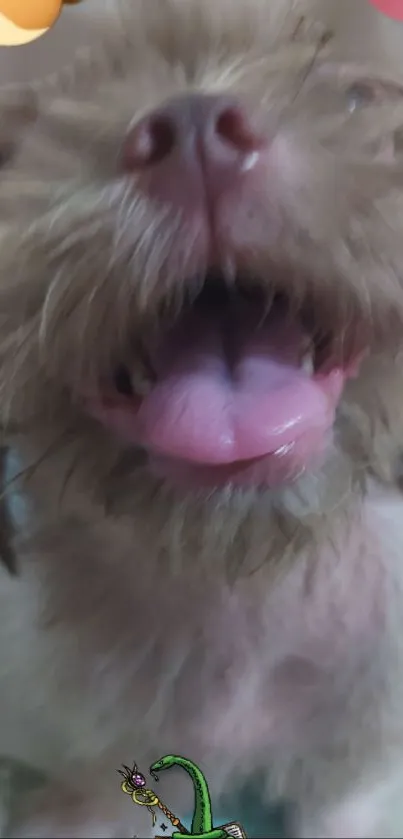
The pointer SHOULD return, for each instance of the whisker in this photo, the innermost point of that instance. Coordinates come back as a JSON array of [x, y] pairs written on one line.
[[311, 64]]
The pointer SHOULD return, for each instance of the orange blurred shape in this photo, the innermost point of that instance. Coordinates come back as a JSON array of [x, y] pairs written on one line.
[[31, 14]]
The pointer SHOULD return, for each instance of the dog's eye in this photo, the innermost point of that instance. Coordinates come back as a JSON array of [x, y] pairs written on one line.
[[359, 95], [363, 94]]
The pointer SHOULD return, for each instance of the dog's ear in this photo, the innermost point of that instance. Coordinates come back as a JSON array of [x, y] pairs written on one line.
[[18, 109]]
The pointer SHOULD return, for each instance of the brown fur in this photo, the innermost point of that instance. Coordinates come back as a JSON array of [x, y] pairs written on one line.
[[250, 630]]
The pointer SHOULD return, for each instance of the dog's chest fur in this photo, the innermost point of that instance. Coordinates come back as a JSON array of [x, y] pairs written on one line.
[[121, 661]]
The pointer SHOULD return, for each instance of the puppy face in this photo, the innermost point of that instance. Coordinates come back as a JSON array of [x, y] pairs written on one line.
[[201, 246]]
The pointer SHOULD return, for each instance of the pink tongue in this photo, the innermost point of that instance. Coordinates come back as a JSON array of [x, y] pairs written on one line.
[[231, 389]]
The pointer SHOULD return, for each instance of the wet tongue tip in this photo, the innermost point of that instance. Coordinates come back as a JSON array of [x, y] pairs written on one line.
[[230, 387], [206, 417]]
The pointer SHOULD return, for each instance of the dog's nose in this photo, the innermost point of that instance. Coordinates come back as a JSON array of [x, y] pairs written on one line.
[[193, 136]]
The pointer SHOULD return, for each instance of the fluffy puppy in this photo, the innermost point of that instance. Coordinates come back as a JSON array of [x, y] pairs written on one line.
[[201, 322]]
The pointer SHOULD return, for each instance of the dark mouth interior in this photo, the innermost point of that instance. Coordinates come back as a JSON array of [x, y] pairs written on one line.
[[123, 382], [217, 293]]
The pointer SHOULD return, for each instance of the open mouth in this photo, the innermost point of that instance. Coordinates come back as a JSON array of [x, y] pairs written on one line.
[[242, 392]]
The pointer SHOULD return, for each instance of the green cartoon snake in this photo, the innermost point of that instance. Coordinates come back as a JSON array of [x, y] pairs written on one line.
[[202, 821]]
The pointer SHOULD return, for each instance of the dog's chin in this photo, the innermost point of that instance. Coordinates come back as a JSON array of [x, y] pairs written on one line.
[[241, 393], [274, 470]]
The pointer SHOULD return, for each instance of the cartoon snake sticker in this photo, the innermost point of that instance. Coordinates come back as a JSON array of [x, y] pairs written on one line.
[[202, 821], [202, 827]]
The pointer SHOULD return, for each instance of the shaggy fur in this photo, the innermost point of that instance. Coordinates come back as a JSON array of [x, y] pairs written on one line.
[[252, 631]]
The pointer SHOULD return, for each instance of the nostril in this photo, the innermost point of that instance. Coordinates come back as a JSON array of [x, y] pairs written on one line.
[[152, 140], [234, 127]]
